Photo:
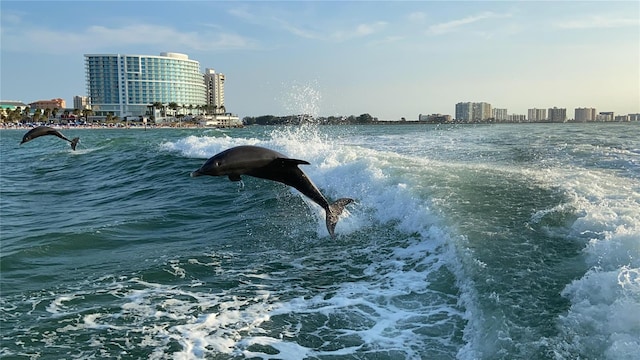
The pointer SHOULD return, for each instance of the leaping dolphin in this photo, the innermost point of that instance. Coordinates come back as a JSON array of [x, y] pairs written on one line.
[[271, 165], [46, 130]]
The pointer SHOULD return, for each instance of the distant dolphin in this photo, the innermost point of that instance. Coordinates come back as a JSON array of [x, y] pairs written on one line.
[[45, 130], [271, 165]]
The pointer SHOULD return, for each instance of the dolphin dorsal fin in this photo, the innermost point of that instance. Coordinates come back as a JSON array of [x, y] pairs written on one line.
[[291, 162]]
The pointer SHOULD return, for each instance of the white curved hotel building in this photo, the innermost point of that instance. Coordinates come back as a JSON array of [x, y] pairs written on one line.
[[125, 85]]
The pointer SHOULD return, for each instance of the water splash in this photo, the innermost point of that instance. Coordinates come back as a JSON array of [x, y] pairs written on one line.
[[302, 99]]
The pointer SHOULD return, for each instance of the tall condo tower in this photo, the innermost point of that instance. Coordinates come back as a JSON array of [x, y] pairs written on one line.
[[126, 85], [214, 84]]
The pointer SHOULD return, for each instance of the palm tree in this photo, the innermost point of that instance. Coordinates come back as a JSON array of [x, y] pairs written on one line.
[[36, 115], [86, 113], [173, 106], [47, 113], [15, 115]]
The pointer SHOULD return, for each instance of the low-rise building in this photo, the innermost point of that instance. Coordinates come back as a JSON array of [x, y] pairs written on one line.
[[48, 104], [435, 118]]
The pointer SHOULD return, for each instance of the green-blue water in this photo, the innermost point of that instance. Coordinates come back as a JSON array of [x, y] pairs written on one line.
[[465, 242]]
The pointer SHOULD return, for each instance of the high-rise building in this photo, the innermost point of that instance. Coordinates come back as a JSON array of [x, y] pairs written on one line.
[[557, 115], [585, 114], [126, 85], [214, 87], [463, 111], [473, 111], [81, 102], [537, 115], [500, 115], [481, 111]]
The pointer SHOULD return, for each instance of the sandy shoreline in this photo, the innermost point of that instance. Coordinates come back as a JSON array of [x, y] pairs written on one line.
[[99, 127]]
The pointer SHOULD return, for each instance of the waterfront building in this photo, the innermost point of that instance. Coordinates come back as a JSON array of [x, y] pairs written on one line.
[[481, 111], [473, 111], [12, 105], [537, 115], [585, 114], [463, 111], [557, 115], [214, 87], [48, 104], [126, 85], [499, 115], [81, 102], [517, 118], [634, 117], [435, 118], [8, 106], [605, 116]]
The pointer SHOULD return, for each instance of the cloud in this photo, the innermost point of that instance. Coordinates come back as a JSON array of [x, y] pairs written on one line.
[[265, 20], [283, 22], [598, 22], [95, 38], [454, 25], [361, 30], [417, 16]]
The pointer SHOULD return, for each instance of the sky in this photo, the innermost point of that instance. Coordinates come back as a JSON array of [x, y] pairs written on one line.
[[390, 59]]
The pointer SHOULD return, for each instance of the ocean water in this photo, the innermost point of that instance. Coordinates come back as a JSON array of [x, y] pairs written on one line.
[[465, 242]]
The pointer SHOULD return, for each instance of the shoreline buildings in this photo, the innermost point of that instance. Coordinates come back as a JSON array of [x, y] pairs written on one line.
[[473, 111], [126, 85], [214, 87], [48, 104]]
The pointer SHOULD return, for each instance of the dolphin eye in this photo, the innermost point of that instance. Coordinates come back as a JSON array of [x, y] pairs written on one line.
[[217, 163]]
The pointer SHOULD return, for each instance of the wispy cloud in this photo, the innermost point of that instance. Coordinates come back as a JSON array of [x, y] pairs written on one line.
[[95, 38], [361, 30], [454, 25], [245, 14], [417, 16], [599, 22], [306, 31]]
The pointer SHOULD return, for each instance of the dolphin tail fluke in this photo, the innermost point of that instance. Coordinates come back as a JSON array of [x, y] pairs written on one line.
[[74, 143], [333, 213]]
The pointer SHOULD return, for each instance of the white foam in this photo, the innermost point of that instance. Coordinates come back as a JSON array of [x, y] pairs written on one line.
[[375, 310], [604, 317]]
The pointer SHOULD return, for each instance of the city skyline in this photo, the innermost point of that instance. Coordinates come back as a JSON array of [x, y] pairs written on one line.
[[391, 60]]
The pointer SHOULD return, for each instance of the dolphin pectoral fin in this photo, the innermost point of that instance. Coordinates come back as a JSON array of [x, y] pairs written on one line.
[[235, 177], [333, 214], [291, 162]]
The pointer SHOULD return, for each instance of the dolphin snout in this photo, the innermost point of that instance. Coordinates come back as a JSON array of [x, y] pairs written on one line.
[[195, 173]]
